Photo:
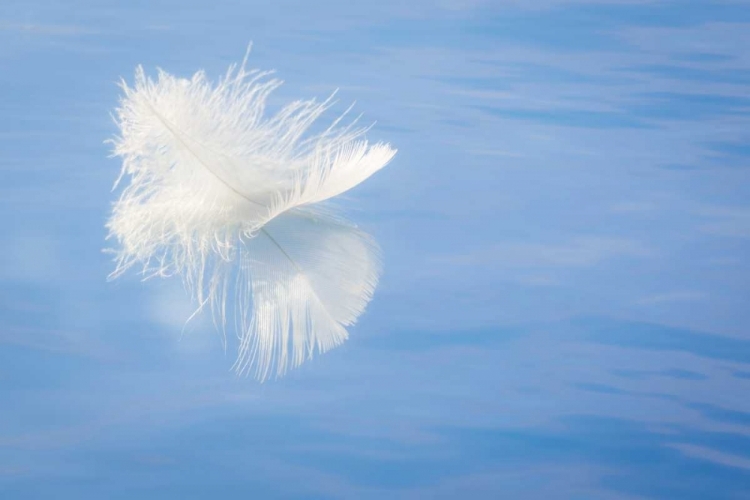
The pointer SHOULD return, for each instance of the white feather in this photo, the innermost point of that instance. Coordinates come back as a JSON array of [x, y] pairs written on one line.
[[223, 196]]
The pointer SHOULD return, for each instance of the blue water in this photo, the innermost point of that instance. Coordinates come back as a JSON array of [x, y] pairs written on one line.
[[564, 306]]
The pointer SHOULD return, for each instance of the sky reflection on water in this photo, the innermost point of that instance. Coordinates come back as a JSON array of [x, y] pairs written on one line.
[[563, 311]]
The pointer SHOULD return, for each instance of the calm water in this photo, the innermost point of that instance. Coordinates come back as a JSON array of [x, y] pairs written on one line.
[[564, 307]]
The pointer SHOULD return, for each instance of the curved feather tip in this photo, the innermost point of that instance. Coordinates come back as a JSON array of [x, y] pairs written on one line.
[[227, 197]]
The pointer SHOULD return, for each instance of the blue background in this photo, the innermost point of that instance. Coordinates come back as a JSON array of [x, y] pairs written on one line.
[[566, 230]]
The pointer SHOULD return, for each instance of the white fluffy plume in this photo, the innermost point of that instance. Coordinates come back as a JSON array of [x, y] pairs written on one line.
[[225, 197]]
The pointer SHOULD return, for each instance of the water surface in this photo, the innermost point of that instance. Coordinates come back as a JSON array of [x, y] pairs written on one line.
[[563, 311]]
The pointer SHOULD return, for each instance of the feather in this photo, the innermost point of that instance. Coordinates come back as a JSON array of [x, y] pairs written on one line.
[[229, 199]]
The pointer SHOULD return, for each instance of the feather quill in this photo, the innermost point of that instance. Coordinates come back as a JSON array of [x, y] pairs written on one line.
[[229, 199]]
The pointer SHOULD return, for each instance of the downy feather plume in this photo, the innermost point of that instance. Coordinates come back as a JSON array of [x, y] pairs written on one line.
[[228, 199]]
